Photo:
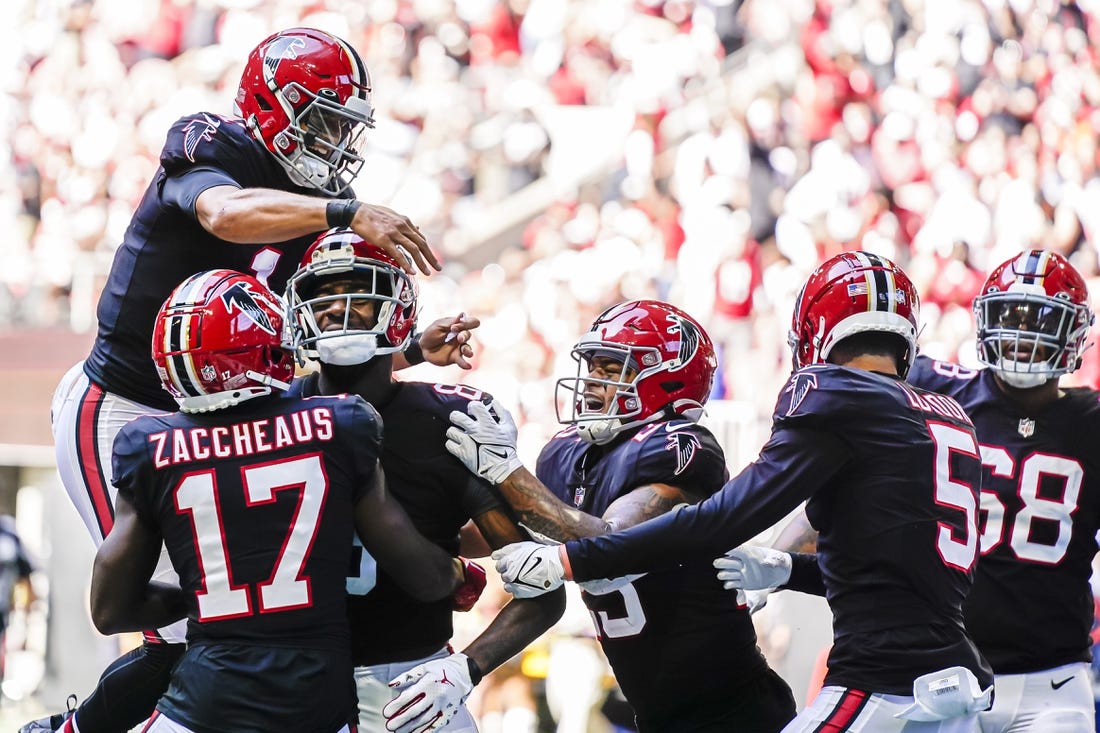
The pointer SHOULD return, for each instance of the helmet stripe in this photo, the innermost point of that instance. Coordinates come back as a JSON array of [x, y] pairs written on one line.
[[1042, 265], [1028, 266], [182, 366], [359, 79], [891, 290], [871, 276]]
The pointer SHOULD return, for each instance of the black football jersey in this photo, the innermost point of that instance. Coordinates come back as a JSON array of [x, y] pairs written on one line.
[[1031, 605], [255, 507], [165, 244], [891, 477], [439, 495], [663, 623]]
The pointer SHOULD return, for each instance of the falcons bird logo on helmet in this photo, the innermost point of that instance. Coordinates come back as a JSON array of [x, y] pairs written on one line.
[[241, 298]]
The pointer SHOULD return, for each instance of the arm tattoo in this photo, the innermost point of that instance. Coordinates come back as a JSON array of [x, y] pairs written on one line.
[[646, 502], [541, 511]]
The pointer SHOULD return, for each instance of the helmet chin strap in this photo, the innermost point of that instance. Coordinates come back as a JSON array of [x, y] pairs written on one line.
[[267, 380], [599, 432], [347, 349], [1022, 380]]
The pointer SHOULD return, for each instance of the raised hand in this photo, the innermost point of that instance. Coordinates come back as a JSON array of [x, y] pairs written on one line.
[[484, 440], [393, 232], [447, 341]]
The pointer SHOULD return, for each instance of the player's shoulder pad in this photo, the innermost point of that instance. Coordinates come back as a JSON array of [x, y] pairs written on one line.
[[1083, 403], [939, 376], [348, 410], [443, 399], [349, 404], [678, 452], [819, 395], [206, 139]]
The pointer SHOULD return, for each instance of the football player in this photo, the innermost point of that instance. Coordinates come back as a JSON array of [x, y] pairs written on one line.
[[353, 308], [1040, 500], [249, 193], [634, 450], [891, 475], [256, 496]]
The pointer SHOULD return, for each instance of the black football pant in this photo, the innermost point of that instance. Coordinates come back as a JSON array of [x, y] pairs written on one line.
[[129, 689], [764, 705]]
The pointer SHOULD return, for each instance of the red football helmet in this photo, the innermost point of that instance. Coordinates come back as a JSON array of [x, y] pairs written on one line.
[[379, 280], [218, 341], [1033, 318], [671, 363], [853, 292], [306, 95]]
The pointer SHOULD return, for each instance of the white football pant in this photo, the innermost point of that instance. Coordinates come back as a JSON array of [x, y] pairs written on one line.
[[85, 421]]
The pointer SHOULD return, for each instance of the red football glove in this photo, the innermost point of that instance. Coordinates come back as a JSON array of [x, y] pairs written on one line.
[[466, 595]]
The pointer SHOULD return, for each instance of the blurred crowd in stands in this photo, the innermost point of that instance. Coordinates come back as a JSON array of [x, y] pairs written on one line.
[[748, 140], [761, 136]]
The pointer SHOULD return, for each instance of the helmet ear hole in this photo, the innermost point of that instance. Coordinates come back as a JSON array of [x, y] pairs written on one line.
[[262, 103]]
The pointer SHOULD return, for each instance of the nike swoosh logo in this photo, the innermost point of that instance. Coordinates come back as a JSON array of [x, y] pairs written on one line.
[[495, 452], [530, 569], [1055, 685], [670, 428]]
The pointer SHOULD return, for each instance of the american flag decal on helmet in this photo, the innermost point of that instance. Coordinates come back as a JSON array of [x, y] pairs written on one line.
[[878, 284]]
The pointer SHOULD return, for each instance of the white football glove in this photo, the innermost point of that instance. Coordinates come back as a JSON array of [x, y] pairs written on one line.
[[484, 442], [429, 695], [753, 600], [749, 567], [529, 569]]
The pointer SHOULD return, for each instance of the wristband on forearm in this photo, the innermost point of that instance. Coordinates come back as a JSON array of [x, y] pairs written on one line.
[[475, 670], [340, 213], [413, 353]]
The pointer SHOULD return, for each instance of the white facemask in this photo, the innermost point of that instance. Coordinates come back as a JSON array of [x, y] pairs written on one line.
[[347, 349]]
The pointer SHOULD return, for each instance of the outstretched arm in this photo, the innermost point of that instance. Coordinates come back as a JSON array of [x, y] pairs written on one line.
[[122, 598], [542, 512], [257, 215], [548, 515], [790, 468]]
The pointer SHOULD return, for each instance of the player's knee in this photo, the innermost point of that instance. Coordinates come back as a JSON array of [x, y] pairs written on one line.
[[1064, 721]]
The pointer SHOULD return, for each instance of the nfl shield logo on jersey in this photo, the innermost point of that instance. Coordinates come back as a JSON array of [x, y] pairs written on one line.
[[1026, 427], [578, 495]]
